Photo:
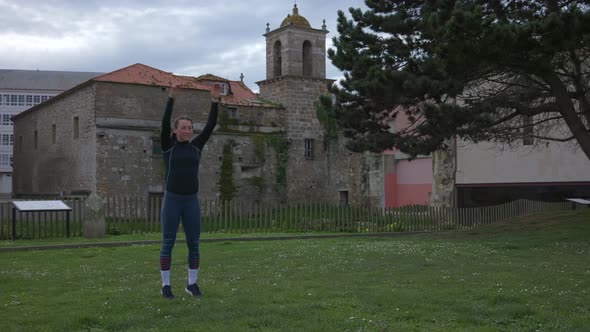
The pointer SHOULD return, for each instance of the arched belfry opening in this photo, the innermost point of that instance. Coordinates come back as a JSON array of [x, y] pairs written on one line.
[[278, 62], [307, 59], [295, 49]]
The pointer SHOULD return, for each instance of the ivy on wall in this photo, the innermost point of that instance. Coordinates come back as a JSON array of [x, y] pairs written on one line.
[[259, 142], [258, 182], [329, 123], [280, 145]]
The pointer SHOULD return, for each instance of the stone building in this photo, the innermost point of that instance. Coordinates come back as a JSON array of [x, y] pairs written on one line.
[[19, 90], [103, 135]]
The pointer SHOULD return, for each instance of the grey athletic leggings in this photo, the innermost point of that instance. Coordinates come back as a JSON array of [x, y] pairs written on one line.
[[175, 208]]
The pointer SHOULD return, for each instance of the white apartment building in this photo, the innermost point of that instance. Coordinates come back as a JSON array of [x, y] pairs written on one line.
[[19, 90]]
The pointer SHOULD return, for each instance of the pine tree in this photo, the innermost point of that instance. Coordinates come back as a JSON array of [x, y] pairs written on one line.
[[494, 70]]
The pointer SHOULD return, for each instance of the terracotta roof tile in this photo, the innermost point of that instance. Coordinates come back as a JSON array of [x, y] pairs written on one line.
[[146, 75], [240, 94], [210, 77]]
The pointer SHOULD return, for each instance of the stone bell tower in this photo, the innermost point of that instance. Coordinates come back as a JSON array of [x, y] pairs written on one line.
[[295, 79], [295, 49], [319, 169], [296, 72]]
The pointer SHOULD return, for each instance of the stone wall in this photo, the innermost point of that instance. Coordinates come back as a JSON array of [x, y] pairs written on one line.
[[334, 172], [299, 97], [359, 176], [118, 152], [372, 174], [129, 121], [255, 116], [444, 167], [127, 164], [141, 102], [130, 166], [253, 172], [129, 146], [307, 178]]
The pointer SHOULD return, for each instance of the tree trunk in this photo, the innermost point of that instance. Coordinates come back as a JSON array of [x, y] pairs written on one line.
[[569, 114]]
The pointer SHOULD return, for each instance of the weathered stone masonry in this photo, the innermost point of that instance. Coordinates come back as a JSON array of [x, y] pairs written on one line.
[[117, 151]]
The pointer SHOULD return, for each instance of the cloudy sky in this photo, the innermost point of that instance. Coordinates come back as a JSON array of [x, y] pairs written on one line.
[[188, 37]]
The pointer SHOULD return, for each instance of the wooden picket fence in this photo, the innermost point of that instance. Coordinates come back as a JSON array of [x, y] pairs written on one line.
[[127, 215]]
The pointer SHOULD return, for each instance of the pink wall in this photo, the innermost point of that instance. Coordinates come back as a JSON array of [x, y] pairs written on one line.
[[409, 194], [390, 188], [417, 171], [410, 183]]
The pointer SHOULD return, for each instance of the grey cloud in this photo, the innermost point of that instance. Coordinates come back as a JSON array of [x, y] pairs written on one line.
[[185, 37]]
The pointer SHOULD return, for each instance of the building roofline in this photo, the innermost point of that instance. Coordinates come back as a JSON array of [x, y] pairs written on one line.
[[51, 100], [279, 29], [297, 77]]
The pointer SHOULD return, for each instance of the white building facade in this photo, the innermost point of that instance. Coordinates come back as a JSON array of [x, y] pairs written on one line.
[[545, 172]]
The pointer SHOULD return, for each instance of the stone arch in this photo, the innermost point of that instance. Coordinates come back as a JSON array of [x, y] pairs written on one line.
[[307, 59], [278, 62]]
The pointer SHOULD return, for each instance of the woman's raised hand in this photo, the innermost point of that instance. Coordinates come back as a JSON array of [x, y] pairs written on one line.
[[173, 91], [215, 92]]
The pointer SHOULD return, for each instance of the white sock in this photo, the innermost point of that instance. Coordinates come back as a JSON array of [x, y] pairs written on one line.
[[192, 276], [165, 278]]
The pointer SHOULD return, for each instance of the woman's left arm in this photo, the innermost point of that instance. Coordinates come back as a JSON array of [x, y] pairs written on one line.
[[203, 137]]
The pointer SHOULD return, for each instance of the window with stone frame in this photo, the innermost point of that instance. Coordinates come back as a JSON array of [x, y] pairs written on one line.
[[308, 149], [232, 112]]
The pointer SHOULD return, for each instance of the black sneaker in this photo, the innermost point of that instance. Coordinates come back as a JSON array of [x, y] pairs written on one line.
[[167, 292], [193, 290]]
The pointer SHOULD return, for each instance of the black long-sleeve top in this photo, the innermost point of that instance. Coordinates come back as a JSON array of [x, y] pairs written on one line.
[[182, 158]]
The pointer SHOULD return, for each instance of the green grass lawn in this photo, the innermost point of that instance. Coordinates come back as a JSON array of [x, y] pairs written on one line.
[[526, 275]]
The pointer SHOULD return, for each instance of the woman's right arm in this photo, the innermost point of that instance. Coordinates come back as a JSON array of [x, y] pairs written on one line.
[[165, 138]]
